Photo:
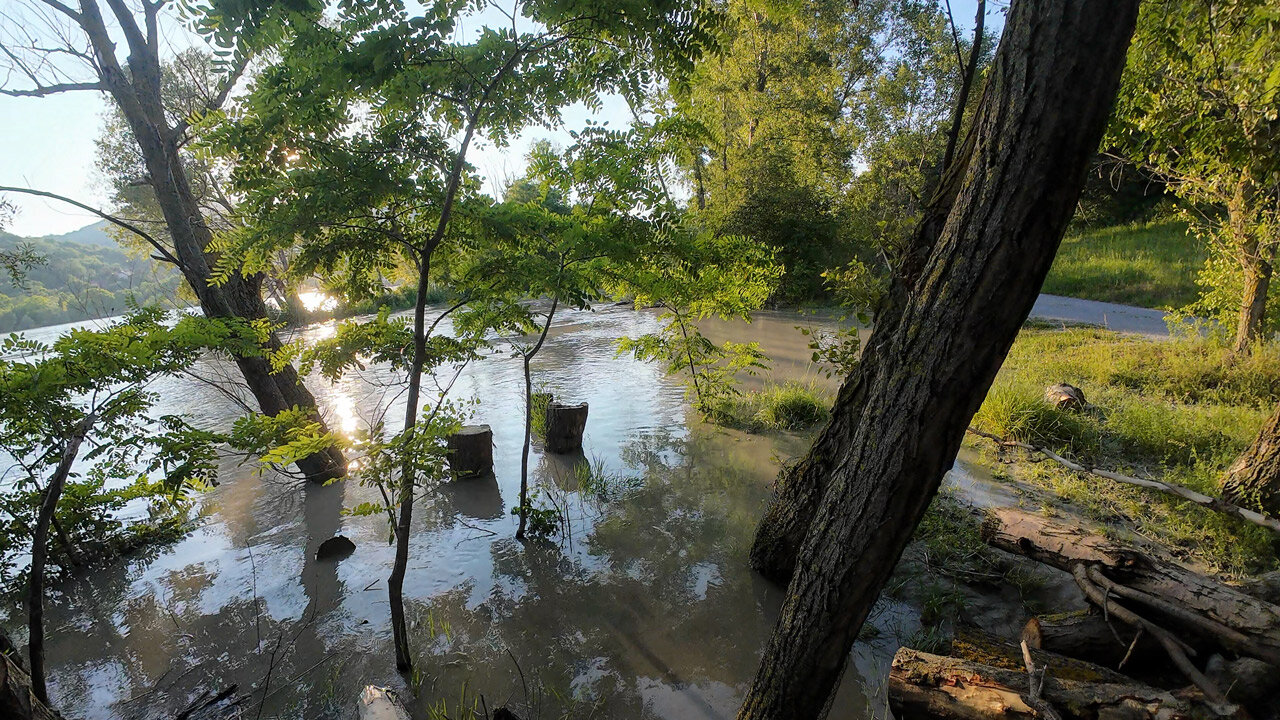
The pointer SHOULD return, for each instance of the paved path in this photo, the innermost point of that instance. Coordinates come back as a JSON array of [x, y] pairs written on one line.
[[1121, 318]]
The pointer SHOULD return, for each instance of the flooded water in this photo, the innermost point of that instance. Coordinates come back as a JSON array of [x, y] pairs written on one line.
[[645, 609]]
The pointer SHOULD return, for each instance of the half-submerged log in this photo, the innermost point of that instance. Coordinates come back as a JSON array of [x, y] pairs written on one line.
[[471, 451], [922, 685], [379, 703], [1168, 593], [565, 426]]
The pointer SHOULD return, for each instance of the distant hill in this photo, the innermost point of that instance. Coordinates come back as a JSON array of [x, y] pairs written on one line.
[[95, 234], [86, 275]]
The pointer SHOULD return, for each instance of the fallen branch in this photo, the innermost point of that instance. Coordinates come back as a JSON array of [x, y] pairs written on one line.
[[1035, 686], [1087, 577], [1167, 589], [922, 685], [1201, 499]]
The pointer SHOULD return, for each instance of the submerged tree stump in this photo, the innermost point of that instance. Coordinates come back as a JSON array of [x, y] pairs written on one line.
[[471, 451], [565, 425]]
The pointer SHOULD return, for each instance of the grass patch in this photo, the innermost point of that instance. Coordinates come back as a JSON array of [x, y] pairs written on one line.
[[790, 406], [1149, 265], [1179, 410]]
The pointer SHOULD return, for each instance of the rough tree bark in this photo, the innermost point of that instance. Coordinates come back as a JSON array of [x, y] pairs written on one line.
[[137, 91], [1243, 623], [1255, 264], [1047, 100], [1253, 480]]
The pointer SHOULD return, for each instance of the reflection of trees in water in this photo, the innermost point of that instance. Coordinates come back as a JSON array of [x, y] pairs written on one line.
[[193, 630], [658, 598]]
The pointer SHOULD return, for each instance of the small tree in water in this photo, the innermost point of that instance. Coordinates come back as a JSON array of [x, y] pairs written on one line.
[[76, 417], [358, 139]]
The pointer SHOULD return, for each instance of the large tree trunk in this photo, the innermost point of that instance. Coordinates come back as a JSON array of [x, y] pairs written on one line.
[[17, 699], [1253, 480], [138, 94], [1046, 103]]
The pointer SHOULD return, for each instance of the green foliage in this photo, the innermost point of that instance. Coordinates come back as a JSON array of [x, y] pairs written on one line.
[[1182, 410], [1199, 104], [1148, 264], [819, 128], [97, 381], [542, 523]]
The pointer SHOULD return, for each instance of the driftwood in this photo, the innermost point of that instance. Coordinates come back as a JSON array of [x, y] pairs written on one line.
[[471, 451], [565, 426], [1200, 499], [1098, 591], [379, 703], [922, 685], [1168, 594], [16, 698], [1089, 636], [984, 648]]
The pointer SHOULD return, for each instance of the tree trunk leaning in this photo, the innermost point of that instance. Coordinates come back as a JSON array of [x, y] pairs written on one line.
[[1253, 480], [565, 427], [933, 687], [1047, 100], [138, 93], [471, 451]]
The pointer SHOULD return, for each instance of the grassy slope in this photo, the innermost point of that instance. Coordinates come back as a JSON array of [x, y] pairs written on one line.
[[1149, 265], [1181, 410]]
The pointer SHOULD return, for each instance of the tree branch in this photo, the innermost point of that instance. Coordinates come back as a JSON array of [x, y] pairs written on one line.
[[161, 249]]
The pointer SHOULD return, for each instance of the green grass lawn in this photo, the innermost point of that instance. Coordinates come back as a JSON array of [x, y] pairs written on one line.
[[1149, 265], [1177, 410]]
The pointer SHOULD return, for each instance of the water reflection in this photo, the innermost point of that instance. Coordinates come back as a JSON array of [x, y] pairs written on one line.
[[645, 609]]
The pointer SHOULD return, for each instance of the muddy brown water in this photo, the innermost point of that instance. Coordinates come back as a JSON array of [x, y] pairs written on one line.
[[645, 608]]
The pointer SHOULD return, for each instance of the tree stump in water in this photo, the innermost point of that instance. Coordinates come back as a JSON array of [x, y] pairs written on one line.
[[565, 425], [471, 451]]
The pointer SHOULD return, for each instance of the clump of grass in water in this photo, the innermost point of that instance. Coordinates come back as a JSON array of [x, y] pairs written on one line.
[[596, 481], [1180, 410], [538, 403], [790, 406]]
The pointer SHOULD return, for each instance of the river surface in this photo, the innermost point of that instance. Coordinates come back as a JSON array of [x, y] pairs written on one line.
[[644, 608]]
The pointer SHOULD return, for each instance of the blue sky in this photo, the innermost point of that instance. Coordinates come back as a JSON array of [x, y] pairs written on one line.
[[48, 144]]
